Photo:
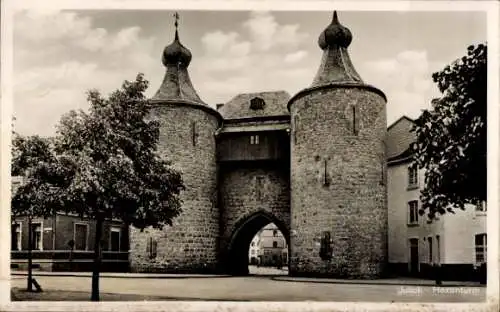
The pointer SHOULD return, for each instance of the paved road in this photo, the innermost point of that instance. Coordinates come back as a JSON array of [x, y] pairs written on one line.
[[257, 288]]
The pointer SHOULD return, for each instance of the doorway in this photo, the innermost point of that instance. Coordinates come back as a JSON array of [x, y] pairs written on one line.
[[414, 261]]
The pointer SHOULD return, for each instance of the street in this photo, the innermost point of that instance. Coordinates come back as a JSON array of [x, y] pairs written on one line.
[[249, 288]]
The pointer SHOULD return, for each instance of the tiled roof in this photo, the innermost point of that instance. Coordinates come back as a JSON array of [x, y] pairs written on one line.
[[239, 107], [399, 137]]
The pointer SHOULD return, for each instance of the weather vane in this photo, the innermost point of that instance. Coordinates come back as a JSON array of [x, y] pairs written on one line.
[[176, 16]]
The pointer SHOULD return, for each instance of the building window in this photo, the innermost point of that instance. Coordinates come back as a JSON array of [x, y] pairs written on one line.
[[254, 139], [36, 236], [275, 244], [412, 176], [275, 233], [480, 243], [253, 244], [16, 236], [429, 239], [151, 248], [257, 103], [80, 236], [114, 239], [253, 251], [481, 206], [413, 212]]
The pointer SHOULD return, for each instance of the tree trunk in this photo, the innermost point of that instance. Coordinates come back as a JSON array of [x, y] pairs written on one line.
[[30, 255], [97, 260]]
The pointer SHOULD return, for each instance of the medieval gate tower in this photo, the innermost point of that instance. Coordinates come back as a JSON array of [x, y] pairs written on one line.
[[318, 171], [337, 168]]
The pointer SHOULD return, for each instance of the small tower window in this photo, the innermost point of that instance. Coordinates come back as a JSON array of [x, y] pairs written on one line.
[[382, 172], [257, 103], [354, 121], [326, 178], [254, 139], [194, 133], [296, 128]]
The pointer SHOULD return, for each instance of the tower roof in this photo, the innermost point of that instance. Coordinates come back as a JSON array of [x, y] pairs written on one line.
[[176, 53], [336, 65], [176, 85], [271, 103], [335, 34]]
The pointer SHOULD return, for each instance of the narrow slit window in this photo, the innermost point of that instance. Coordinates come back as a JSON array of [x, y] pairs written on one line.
[[194, 133], [296, 130], [326, 181], [354, 121], [382, 173]]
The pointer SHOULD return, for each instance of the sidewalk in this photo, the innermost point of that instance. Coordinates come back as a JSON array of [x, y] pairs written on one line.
[[406, 281]]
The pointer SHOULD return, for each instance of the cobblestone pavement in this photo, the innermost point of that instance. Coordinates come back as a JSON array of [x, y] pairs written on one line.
[[254, 270], [251, 288]]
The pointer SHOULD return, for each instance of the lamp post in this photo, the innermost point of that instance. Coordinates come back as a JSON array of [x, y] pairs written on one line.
[[30, 255]]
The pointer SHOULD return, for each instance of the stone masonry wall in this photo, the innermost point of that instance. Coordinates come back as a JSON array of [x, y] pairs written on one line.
[[191, 244], [243, 195], [351, 202]]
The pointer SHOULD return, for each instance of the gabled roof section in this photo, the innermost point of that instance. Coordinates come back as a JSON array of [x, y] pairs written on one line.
[[258, 104], [399, 137]]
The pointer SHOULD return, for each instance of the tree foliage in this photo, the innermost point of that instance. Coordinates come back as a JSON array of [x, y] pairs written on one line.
[[101, 164], [451, 137]]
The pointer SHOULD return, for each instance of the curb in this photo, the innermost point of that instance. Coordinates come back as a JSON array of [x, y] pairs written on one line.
[[166, 276], [371, 282]]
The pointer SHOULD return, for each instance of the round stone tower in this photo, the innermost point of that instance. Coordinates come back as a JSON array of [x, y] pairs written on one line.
[[187, 140], [338, 170]]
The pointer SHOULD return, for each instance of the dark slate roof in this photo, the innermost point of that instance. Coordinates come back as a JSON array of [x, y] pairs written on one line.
[[399, 138], [177, 86], [336, 65], [239, 106]]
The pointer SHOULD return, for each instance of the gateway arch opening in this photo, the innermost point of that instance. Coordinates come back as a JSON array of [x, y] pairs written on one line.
[[259, 246]]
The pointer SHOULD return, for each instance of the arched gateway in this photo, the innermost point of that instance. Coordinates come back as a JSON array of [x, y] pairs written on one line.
[[237, 248], [313, 164]]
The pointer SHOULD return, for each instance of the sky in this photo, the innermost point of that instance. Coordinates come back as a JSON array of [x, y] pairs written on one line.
[[59, 55]]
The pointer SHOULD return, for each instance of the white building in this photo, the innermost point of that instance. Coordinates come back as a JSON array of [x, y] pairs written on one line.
[[268, 247], [254, 251], [456, 241]]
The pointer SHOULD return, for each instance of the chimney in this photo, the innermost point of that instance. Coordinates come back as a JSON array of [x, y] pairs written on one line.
[[219, 106]]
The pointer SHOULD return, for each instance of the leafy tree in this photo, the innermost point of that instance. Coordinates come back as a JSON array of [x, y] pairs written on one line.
[[451, 137], [27, 153], [105, 165]]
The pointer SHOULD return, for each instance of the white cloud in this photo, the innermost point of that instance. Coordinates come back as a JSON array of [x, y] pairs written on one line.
[[295, 56], [267, 60], [61, 55], [406, 79], [267, 33]]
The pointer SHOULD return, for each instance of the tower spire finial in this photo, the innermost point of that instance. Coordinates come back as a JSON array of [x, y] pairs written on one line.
[[176, 23]]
